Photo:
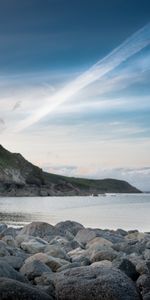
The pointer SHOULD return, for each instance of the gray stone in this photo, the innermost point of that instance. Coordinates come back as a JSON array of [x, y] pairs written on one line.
[[34, 245], [56, 251], [127, 267], [14, 290], [92, 283], [7, 271], [13, 261], [9, 231], [3, 249], [52, 262], [3, 227], [34, 269], [85, 235], [70, 226], [104, 254], [39, 229], [9, 240], [143, 284]]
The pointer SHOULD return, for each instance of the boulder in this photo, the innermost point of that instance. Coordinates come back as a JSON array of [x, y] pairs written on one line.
[[7, 271], [143, 284], [104, 254], [127, 267], [92, 283], [14, 290], [13, 261], [142, 267], [39, 229], [34, 269], [56, 251], [9, 231], [3, 227], [85, 235], [146, 254], [46, 279], [9, 240], [52, 262], [102, 263], [34, 245], [3, 249], [80, 256], [71, 226], [98, 241]]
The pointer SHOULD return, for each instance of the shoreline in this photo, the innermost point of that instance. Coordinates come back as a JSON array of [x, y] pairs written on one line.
[[68, 261]]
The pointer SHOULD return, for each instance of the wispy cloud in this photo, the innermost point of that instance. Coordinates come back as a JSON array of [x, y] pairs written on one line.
[[131, 46]]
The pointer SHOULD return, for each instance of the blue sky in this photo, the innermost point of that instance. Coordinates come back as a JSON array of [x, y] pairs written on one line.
[[58, 108]]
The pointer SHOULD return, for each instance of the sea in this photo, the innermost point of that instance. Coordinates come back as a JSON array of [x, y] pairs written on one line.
[[108, 211]]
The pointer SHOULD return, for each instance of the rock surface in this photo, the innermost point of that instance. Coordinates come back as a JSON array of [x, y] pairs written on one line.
[[69, 262], [95, 283]]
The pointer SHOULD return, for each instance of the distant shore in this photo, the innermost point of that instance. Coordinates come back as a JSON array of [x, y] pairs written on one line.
[[69, 261]]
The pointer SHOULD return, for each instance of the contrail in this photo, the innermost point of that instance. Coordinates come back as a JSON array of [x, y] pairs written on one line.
[[129, 47]]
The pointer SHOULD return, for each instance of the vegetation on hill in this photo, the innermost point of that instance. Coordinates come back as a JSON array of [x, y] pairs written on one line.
[[18, 177]]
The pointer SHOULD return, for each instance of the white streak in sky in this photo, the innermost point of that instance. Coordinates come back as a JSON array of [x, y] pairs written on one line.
[[131, 46]]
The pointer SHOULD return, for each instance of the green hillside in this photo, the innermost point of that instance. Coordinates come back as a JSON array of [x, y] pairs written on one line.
[[18, 177]]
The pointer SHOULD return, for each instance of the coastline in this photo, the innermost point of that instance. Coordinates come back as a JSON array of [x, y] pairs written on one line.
[[69, 261]]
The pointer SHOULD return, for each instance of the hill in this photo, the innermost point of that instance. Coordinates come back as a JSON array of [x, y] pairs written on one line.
[[18, 177]]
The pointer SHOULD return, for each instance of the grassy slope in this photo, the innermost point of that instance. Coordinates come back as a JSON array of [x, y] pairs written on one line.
[[35, 175]]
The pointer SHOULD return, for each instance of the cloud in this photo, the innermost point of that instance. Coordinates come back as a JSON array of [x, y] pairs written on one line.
[[131, 46]]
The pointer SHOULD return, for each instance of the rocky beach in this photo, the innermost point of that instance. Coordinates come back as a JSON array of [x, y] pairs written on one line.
[[68, 261]]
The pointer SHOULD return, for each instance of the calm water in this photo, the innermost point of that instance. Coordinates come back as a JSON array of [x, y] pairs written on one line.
[[110, 211]]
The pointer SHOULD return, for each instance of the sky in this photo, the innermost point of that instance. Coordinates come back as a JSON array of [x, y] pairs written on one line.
[[75, 86]]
